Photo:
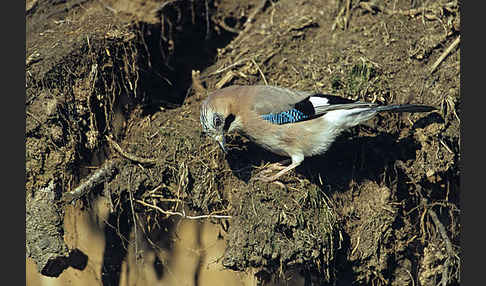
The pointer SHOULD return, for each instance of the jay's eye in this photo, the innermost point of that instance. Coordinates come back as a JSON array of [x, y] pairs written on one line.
[[218, 121]]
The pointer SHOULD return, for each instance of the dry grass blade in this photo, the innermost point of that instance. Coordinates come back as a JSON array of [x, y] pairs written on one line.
[[260, 71]]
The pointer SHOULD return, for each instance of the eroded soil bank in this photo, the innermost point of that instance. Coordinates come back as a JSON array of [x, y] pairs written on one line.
[[112, 106]]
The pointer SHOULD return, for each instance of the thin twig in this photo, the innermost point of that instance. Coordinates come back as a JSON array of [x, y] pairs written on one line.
[[183, 214], [445, 145], [163, 199], [239, 62], [130, 156], [445, 53]]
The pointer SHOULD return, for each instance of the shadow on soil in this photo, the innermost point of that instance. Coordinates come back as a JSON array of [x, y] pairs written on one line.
[[173, 50], [350, 158]]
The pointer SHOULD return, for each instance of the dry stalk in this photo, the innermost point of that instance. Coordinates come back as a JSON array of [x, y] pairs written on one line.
[[445, 54], [237, 63], [226, 78], [260, 71]]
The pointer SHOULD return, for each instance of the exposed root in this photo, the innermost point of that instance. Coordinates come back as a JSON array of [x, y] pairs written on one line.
[[451, 256], [129, 156], [451, 262], [135, 221], [223, 25], [183, 213], [101, 175]]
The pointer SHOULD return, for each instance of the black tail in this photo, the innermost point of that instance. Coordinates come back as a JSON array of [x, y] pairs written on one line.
[[405, 108]]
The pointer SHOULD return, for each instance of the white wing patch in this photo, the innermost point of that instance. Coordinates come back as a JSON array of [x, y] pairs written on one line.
[[318, 101], [348, 117]]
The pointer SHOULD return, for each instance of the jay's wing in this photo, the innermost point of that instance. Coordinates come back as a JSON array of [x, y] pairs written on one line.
[[280, 105], [272, 99]]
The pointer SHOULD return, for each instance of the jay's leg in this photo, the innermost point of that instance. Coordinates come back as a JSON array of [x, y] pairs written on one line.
[[276, 166], [296, 161]]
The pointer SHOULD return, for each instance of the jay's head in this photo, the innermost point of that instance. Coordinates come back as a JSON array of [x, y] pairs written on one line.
[[216, 118]]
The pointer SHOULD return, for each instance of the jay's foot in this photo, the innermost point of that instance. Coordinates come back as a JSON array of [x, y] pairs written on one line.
[[275, 167]]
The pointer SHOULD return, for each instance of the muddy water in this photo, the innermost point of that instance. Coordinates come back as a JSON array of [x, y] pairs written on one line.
[[85, 232]]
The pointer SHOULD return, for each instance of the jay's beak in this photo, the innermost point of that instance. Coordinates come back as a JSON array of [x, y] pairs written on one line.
[[222, 141]]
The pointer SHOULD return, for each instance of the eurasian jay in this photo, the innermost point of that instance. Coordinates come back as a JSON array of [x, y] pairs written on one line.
[[286, 122]]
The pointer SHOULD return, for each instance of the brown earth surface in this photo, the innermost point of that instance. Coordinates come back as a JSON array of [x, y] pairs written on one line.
[[122, 188]]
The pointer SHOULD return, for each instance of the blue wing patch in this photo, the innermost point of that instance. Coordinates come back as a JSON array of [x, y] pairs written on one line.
[[289, 116]]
